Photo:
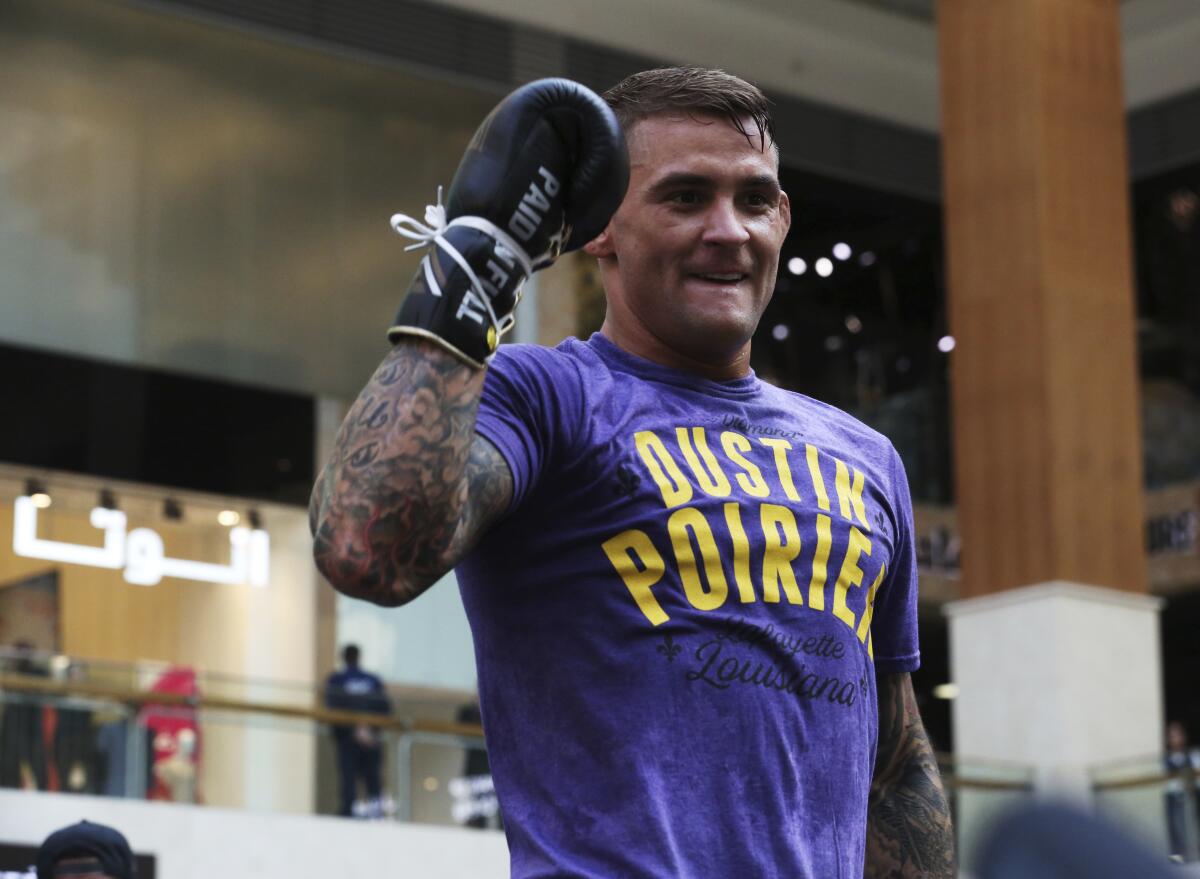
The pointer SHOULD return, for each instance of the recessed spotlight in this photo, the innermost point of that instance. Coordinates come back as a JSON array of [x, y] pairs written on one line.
[[866, 258], [780, 332], [945, 691], [853, 324], [833, 343], [35, 490], [842, 251], [431, 784], [228, 518], [824, 267], [946, 344], [797, 266]]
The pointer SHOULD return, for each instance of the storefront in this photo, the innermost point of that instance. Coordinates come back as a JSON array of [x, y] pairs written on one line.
[[174, 592]]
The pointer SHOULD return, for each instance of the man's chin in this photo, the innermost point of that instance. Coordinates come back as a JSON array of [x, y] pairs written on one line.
[[711, 341]]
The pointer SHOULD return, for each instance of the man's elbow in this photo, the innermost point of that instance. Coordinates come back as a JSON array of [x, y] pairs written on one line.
[[356, 575]]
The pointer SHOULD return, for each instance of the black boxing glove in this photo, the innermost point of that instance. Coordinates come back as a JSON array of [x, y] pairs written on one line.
[[542, 176]]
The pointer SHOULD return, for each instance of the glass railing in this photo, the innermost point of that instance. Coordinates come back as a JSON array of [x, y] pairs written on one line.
[[167, 734], [980, 791], [1156, 802], [170, 734]]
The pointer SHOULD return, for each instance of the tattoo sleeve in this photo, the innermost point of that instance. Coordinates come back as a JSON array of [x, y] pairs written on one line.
[[909, 833], [410, 487]]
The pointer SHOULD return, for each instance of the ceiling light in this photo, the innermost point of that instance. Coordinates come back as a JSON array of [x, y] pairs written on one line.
[[866, 259], [824, 267], [228, 518], [842, 251], [853, 324], [946, 344], [35, 490], [780, 332], [797, 266]]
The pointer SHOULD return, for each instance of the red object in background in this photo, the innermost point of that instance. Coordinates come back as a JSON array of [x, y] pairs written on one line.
[[174, 740], [49, 725]]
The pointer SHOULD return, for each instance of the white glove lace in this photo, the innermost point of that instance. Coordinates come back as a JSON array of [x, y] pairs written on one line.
[[433, 232]]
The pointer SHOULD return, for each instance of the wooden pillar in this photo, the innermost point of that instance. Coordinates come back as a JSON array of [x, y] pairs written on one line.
[[1044, 375]]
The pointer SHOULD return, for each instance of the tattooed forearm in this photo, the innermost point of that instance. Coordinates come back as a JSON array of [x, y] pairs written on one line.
[[909, 833], [409, 485]]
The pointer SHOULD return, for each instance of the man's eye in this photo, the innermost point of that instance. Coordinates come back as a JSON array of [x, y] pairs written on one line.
[[686, 198], [758, 200]]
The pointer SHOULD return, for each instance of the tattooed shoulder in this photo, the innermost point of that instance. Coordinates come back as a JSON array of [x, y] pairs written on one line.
[[490, 488]]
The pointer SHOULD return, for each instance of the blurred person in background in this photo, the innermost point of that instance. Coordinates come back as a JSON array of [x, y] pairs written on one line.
[[477, 772], [359, 745], [1182, 762], [77, 755], [23, 762]]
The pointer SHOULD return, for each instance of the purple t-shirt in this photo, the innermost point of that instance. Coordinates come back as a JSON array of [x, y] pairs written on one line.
[[679, 624]]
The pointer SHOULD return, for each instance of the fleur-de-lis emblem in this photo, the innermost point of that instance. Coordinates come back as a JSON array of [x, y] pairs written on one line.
[[627, 480], [669, 648]]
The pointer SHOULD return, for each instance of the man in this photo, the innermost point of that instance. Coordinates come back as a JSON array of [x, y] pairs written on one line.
[[85, 851], [359, 753], [692, 595]]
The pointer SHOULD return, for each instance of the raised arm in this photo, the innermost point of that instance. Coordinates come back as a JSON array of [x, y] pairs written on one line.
[[909, 834], [410, 487]]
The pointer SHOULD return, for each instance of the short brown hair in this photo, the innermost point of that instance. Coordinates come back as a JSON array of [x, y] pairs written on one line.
[[692, 90]]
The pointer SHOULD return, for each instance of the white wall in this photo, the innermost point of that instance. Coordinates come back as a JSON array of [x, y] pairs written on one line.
[[192, 842]]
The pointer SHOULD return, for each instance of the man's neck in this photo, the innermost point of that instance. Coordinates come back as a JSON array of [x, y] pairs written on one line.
[[640, 342]]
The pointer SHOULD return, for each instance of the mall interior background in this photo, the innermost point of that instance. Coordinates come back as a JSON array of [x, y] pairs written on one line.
[[196, 269]]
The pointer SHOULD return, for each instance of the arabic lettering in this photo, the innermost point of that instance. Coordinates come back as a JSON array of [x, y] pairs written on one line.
[[140, 552]]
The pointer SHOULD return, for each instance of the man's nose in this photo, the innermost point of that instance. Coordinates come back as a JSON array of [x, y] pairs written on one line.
[[725, 225]]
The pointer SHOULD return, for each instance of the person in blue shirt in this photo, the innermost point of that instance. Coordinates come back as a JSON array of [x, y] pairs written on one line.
[[359, 751]]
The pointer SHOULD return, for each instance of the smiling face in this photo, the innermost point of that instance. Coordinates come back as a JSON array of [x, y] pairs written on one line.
[[689, 259]]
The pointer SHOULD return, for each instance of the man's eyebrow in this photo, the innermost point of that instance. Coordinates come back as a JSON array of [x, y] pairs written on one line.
[[681, 178], [684, 178], [761, 181]]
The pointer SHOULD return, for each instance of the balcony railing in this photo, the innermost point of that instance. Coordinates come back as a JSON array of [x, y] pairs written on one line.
[[253, 744]]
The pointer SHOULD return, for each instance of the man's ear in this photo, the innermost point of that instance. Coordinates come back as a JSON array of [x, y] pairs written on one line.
[[785, 211], [601, 246]]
